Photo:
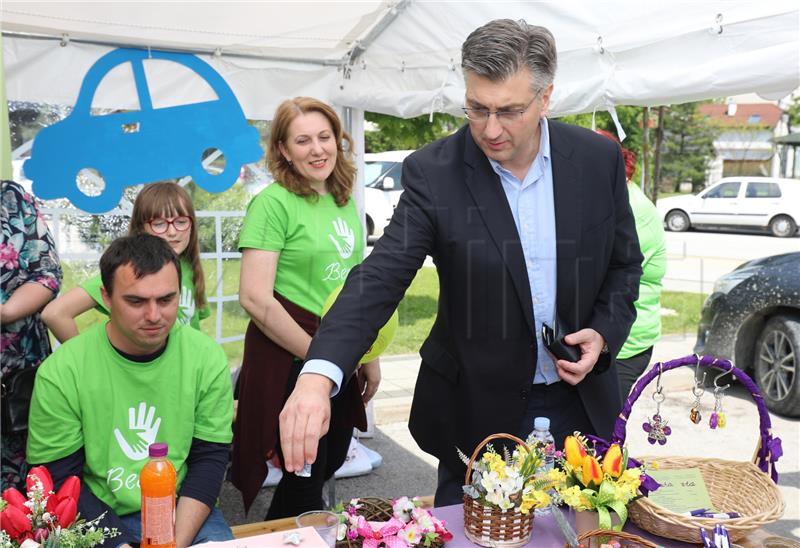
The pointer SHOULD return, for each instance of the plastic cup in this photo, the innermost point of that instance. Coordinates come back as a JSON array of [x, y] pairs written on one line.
[[326, 524]]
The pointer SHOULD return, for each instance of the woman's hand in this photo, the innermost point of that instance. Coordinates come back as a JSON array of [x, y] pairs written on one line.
[[370, 376]]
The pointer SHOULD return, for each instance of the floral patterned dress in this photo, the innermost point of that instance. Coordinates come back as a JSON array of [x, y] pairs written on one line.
[[27, 254]]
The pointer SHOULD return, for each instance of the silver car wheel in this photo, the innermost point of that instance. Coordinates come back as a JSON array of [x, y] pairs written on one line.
[[778, 358]]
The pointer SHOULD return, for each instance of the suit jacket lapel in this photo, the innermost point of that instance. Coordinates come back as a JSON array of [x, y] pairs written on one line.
[[568, 198], [487, 192]]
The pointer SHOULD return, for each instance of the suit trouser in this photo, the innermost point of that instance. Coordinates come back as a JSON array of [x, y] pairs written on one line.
[[559, 402], [295, 494], [629, 370]]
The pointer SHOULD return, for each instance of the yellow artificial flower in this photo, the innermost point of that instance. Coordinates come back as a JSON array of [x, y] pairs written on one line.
[[574, 498]]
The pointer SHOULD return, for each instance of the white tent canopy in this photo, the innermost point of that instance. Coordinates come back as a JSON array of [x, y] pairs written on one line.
[[403, 57]]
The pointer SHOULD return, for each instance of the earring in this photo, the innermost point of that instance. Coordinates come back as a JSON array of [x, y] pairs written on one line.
[[657, 428], [698, 390], [288, 161], [717, 419]]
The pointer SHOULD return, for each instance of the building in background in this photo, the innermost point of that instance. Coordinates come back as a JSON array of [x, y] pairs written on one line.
[[745, 145]]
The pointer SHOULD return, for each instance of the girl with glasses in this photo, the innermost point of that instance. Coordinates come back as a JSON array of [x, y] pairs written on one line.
[[164, 210]]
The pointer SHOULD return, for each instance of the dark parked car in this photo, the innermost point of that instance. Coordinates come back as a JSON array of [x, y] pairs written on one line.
[[753, 319]]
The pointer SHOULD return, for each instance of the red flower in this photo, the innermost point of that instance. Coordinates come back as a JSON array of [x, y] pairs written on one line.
[[66, 509], [16, 499], [41, 535], [15, 523], [43, 475], [70, 488]]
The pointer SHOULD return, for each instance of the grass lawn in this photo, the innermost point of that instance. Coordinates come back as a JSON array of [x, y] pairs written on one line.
[[417, 310]]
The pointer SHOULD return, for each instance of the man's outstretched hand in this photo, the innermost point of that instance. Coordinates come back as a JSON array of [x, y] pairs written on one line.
[[304, 420], [590, 343]]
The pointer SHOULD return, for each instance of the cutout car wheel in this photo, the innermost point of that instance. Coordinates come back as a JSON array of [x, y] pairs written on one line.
[[783, 226], [217, 179], [370, 226], [677, 221], [776, 365], [92, 192]]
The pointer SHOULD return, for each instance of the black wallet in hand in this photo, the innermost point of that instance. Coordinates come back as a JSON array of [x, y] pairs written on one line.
[[554, 342]]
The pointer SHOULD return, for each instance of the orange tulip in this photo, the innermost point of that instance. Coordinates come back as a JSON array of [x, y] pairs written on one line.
[[575, 452], [592, 474], [612, 461]]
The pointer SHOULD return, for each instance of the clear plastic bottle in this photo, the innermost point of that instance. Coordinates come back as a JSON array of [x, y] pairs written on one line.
[[541, 433], [158, 483]]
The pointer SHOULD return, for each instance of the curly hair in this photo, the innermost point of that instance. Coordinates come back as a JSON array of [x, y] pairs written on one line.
[[167, 199], [340, 182]]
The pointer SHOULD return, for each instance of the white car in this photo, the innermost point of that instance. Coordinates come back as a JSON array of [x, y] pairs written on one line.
[[738, 202], [383, 187]]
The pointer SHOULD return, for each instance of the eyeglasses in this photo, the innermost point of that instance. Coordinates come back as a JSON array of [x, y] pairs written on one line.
[[505, 117], [161, 225]]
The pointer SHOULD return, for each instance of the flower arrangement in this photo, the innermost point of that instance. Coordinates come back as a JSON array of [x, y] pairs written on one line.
[[46, 518], [408, 525], [601, 483], [513, 480]]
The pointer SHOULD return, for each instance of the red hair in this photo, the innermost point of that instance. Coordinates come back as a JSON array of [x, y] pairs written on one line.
[[628, 156]]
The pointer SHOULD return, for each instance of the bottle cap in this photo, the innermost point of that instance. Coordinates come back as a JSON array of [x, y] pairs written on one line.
[[541, 423], [158, 449]]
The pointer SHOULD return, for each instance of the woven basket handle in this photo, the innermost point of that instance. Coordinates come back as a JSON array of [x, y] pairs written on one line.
[[768, 449], [484, 442]]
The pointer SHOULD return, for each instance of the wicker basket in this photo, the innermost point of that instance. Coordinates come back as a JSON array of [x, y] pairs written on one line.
[[489, 525], [599, 536], [748, 488]]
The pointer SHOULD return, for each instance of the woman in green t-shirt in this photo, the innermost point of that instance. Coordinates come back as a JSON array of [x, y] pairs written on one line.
[[300, 238], [163, 209], [634, 356]]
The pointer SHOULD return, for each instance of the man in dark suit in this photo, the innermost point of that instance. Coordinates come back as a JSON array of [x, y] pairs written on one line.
[[528, 222]]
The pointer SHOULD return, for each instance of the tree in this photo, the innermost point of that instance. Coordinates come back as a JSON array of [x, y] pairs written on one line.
[[794, 114], [394, 133], [629, 117], [688, 146]]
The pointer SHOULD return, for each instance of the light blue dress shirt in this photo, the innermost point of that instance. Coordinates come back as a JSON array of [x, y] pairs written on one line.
[[533, 208]]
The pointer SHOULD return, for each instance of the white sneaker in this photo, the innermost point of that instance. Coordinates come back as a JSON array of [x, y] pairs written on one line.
[[274, 475], [357, 463], [375, 458]]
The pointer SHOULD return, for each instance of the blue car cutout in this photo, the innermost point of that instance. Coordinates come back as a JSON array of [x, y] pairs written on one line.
[[150, 144]]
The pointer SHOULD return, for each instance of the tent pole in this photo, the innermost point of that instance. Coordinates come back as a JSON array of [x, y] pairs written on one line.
[[6, 171]]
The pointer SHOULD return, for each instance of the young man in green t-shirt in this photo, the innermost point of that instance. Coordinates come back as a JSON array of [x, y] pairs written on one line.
[[104, 396]]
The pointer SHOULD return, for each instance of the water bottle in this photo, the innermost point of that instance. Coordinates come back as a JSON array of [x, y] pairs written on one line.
[[158, 483], [541, 433]]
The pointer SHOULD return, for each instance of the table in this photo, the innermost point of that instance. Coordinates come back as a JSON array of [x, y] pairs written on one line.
[[546, 533]]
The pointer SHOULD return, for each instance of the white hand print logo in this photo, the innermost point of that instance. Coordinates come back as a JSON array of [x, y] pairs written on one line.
[[142, 431], [186, 305], [344, 239]]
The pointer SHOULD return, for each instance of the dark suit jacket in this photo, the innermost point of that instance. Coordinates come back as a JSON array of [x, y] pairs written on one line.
[[480, 357]]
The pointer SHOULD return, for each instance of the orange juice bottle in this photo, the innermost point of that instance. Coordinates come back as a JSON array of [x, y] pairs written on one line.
[[158, 480]]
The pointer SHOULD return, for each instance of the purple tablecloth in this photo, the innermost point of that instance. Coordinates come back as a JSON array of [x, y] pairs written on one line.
[[545, 531]]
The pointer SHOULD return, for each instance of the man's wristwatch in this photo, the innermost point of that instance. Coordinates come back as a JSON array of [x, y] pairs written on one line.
[[604, 350]]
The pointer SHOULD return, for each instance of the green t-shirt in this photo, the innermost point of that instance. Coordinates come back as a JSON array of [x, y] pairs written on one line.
[[646, 329], [318, 242], [87, 395], [187, 307]]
